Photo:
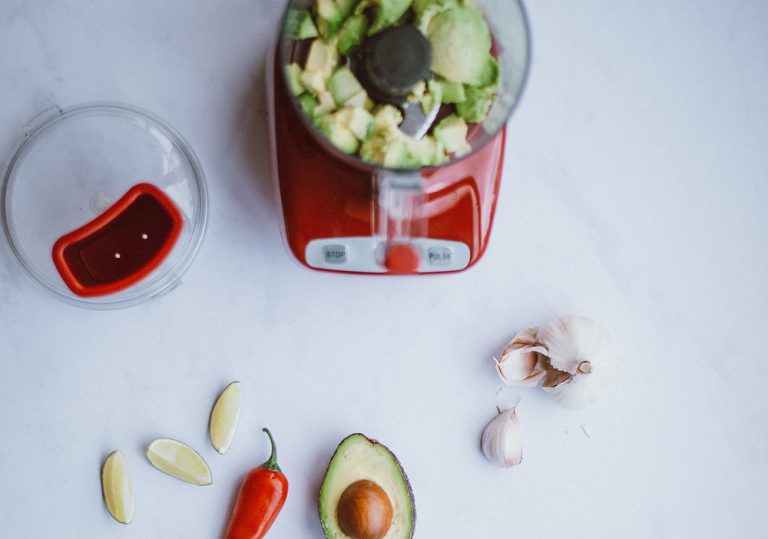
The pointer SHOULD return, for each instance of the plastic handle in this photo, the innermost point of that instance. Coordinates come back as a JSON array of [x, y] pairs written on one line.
[[400, 202]]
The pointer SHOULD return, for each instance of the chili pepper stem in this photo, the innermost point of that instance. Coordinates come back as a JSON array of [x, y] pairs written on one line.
[[271, 463]]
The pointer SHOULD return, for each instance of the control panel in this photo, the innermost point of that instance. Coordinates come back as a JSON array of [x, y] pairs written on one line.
[[365, 254]]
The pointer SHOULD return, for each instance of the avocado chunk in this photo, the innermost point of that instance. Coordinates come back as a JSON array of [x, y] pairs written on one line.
[[425, 152], [356, 119], [339, 135], [451, 132], [322, 57], [461, 42], [476, 104], [321, 60], [294, 72], [343, 85], [346, 6], [433, 97], [387, 119], [352, 33], [452, 92], [305, 26], [308, 104], [360, 99], [329, 17], [490, 75], [426, 9], [299, 24], [385, 150], [388, 12], [365, 493], [326, 104]]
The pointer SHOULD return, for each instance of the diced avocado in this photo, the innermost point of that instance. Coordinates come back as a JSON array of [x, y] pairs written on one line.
[[372, 149], [453, 92], [293, 74], [339, 135], [475, 107], [327, 104], [329, 18], [362, 463], [356, 119], [305, 27], [426, 9], [346, 6], [343, 85], [308, 104], [396, 154], [386, 149], [322, 57], [433, 97], [387, 119], [314, 81], [490, 75], [360, 99], [417, 92], [451, 132], [388, 12], [460, 41], [352, 33], [299, 24], [425, 152]]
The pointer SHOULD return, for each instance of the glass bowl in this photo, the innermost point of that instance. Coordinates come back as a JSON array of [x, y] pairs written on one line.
[[72, 169]]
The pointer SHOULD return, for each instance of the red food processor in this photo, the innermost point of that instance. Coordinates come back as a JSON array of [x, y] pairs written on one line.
[[103, 204], [344, 214]]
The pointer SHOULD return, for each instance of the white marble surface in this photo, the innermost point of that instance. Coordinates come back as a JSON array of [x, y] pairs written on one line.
[[636, 192]]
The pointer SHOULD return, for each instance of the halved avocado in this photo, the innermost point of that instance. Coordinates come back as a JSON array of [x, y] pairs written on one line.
[[357, 461]]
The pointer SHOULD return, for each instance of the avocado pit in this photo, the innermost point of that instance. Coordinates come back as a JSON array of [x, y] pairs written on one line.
[[364, 511]]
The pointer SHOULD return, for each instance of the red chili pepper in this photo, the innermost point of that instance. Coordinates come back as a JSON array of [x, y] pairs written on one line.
[[260, 499]]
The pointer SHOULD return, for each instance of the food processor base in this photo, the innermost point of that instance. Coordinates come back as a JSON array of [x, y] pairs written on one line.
[[329, 207]]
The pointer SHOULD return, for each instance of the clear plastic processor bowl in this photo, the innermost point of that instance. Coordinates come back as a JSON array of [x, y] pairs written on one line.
[[74, 176]]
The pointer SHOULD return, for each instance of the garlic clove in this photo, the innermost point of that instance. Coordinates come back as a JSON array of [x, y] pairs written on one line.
[[519, 362], [502, 441], [225, 416], [117, 487]]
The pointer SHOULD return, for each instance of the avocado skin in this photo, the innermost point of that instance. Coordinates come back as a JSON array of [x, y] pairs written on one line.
[[328, 514]]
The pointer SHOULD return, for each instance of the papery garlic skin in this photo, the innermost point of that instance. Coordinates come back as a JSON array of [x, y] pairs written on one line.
[[519, 362], [572, 340], [575, 393], [584, 350], [502, 441]]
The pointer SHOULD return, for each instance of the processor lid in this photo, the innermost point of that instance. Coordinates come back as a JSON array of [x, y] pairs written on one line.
[[104, 204]]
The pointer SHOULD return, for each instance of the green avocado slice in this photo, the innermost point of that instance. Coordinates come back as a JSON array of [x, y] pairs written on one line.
[[357, 458], [461, 41]]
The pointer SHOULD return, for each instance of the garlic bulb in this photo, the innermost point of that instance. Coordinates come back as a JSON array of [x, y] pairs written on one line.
[[572, 359], [502, 441], [583, 349]]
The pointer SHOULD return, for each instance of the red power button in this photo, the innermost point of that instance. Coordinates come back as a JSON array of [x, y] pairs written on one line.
[[402, 258]]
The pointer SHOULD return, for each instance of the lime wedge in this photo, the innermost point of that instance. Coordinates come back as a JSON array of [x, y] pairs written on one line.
[[117, 487], [225, 416], [180, 461]]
